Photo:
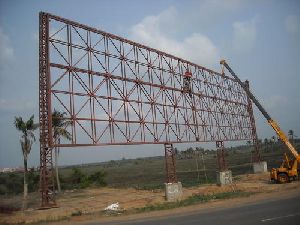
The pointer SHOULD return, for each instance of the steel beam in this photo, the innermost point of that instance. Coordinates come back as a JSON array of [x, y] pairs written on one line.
[[46, 172], [221, 156], [257, 155], [171, 176]]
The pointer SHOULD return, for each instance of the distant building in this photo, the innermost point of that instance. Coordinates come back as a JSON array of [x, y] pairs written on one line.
[[9, 170]]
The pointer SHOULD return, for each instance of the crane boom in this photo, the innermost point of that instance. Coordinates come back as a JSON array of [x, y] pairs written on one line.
[[272, 122]]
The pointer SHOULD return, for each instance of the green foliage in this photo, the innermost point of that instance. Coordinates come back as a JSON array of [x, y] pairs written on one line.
[[33, 181], [27, 128], [3, 189], [77, 176], [150, 187], [81, 180], [59, 124], [98, 178], [146, 173], [11, 183], [15, 183]]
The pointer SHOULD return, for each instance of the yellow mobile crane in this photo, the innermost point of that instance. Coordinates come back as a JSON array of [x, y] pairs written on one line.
[[289, 169]]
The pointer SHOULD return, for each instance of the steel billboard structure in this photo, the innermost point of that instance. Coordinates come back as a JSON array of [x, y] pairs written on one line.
[[118, 92]]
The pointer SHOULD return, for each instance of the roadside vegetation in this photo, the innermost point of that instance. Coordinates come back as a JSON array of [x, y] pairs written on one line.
[[194, 167], [193, 200], [12, 183]]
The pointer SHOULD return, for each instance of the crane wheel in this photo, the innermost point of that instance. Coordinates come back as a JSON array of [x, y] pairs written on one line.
[[283, 178]]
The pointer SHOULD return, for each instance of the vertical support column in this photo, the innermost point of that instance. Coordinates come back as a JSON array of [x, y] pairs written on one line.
[[257, 156], [172, 186], [221, 156], [258, 165], [224, 176], [170, 163], [46, 165]]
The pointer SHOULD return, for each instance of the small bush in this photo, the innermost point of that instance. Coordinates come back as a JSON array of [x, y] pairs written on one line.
[[14, 183], [80, 180], [3, 189], [33, 181], [98, 178], [77, 176]]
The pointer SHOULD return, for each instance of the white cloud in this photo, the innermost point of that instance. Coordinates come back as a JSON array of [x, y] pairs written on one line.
[[244, 35], [155, 31], [292, 23], [7, 51]]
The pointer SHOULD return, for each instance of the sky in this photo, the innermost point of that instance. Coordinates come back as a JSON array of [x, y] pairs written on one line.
[[259, 39]]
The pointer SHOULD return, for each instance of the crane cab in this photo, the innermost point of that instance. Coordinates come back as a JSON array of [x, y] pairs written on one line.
[[289, 170]]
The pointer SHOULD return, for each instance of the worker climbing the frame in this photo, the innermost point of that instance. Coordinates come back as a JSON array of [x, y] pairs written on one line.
[[187, 82]]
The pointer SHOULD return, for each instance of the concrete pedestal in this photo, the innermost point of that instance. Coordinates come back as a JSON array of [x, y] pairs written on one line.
[[224, 177], [260, 167], [173, 191]]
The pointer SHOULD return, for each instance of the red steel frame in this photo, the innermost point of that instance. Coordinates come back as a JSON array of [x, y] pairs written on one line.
[[116, 92], [170, 163]]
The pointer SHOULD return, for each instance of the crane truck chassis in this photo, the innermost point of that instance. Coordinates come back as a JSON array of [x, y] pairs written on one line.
[[289, 169]]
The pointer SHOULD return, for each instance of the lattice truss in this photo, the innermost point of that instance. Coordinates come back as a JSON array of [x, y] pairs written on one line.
[[119, 92]]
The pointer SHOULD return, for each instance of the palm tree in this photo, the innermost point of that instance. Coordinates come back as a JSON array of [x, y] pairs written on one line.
[[26, 141], [59, 125], [266, 142], [291, 135]]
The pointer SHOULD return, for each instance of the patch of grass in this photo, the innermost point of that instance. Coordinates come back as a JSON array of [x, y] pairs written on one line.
[[150, 187], [45, 221], [193, 200]]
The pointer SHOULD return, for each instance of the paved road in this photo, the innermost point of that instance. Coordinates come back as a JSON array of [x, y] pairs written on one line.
[[271, 212]]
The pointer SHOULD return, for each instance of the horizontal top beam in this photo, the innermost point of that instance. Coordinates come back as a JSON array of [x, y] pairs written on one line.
[[70, 22]]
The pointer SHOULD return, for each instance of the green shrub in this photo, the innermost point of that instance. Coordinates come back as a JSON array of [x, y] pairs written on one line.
[[14, 183], [3, 189], [33, 181], [98, 178], [77, 176], [80, 180]]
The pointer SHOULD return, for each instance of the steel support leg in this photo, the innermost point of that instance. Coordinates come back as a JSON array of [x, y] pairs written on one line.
[[221, 156], [170, 163], [46, 166], [257, 155]]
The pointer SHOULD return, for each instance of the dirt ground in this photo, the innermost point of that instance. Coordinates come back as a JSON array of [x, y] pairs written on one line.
[[91, 202]]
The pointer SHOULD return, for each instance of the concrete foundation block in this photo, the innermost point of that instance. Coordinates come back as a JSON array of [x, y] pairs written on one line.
[[224, 177], [260, 167], [173, 191]]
